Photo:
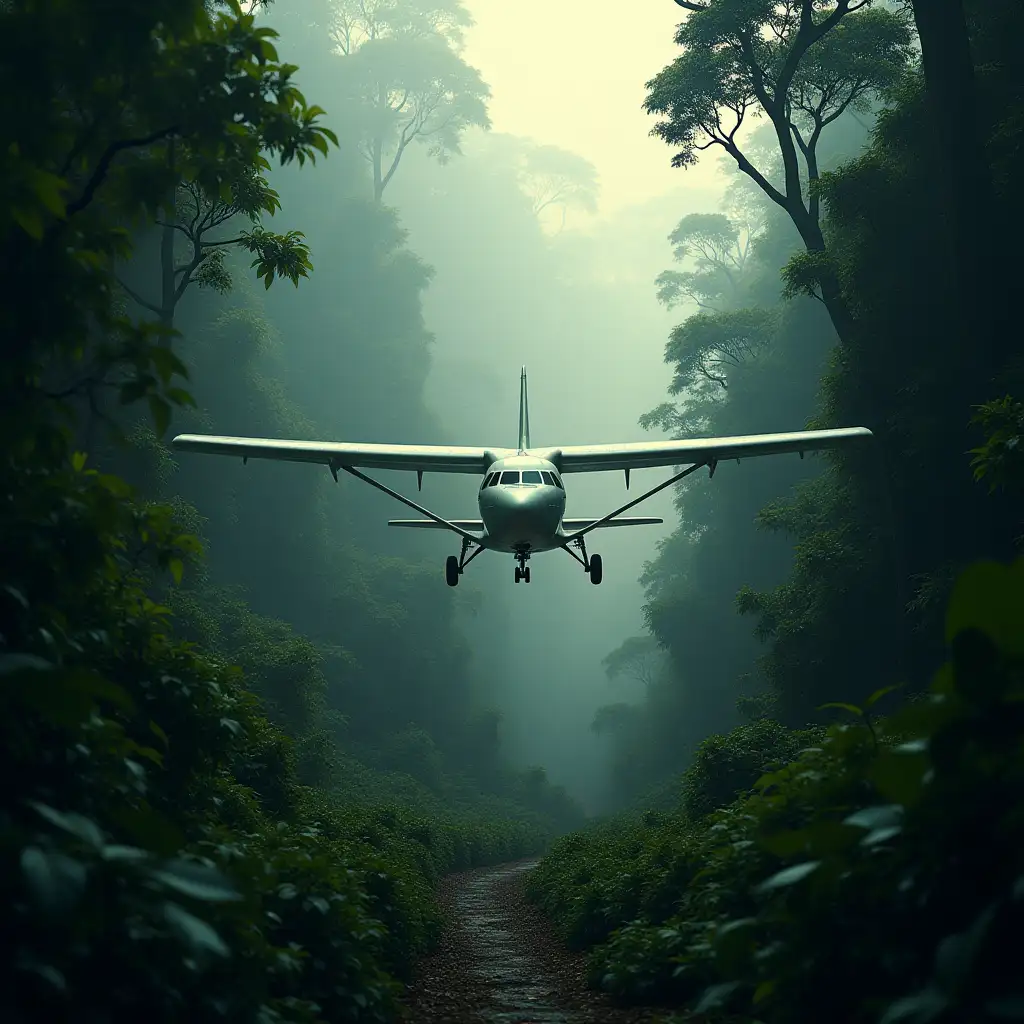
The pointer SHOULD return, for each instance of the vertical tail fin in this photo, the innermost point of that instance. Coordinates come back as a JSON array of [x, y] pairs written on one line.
[[524, 415]]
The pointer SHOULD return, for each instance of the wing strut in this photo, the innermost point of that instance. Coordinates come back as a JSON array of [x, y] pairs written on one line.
[[636, 501], [465, 534]]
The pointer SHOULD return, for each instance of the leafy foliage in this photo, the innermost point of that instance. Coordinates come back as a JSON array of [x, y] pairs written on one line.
[[872, 831]]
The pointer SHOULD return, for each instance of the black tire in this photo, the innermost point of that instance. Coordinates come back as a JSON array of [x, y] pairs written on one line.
[[526, 575], [519, 574], [451, 571], [596, 569]]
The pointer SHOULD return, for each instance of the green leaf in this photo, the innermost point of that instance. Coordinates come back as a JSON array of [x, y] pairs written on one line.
[[23, 662], [989, 597], [120, 854], [957, 954], [70, 822], [852, 708], [716, 996], [197, 934], [55, 880], [883, 816], [29, 220], [196, 881], [920, 1008], [177, 568], [78, 461], [159, 734], [878, 695], [789, 876]]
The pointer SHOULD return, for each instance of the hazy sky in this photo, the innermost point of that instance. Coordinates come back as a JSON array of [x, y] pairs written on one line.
[[572, 73]]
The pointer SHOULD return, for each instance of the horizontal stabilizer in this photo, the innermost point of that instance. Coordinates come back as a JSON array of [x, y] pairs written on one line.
[[572, 525], [473, 525]]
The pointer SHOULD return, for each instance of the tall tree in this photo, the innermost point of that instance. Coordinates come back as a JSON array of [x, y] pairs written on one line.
[[193, 252], [558, 180], [719, 246], [407, 79], [951, 94], [800, 63]]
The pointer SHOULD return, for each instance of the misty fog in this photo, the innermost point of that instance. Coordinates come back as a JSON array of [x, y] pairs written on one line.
[[568, 292]]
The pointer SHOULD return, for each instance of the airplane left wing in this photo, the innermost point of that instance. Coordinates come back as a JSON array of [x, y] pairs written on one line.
[[600, 457], [472, 525], [423, 458]]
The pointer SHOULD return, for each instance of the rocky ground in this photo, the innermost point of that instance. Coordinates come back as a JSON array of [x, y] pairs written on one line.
[[500, 963]]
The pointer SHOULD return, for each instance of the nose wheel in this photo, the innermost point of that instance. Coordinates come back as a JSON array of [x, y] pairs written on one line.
[[522, 569]]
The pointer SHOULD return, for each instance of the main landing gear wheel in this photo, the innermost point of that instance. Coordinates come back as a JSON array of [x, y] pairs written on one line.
[[522, 574], [452, 571], [596, 569]]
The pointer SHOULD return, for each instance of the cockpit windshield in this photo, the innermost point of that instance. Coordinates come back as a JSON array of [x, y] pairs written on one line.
[[531, 476], [510, 477]]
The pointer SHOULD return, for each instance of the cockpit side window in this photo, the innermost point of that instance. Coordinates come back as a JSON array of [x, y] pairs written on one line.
[[531, 476], [493, 479], [510, 477], [546, 476], [555, 480]]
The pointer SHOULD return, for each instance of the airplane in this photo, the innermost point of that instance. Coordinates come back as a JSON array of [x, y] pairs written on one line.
[[522, 493]]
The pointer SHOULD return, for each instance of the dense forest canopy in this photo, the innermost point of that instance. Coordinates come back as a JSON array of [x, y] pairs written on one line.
[[249, 730]]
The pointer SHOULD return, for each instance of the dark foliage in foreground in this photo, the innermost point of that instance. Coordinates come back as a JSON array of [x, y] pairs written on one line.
[[877, 877]]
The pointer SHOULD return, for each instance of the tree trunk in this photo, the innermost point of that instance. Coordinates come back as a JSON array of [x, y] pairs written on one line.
[[167, 300], [378, 182], [967, 185]]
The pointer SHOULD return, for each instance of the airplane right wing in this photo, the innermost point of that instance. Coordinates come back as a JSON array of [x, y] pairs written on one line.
[[572, 525], [695, 451]]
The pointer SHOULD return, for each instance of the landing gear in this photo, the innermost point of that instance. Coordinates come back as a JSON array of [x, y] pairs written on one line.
[[452, 571], [454, 566], [592, 565], [522, 570]]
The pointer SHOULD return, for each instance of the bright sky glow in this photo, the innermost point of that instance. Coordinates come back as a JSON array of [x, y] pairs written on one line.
[[572, 73]]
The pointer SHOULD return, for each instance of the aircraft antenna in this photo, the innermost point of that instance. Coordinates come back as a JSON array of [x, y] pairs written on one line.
[[524, 415]]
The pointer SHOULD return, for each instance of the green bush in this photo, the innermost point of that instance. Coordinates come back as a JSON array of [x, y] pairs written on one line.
[[876, 878], [726, 766]]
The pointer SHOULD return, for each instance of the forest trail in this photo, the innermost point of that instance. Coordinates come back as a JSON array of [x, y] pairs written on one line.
[[499, 962]]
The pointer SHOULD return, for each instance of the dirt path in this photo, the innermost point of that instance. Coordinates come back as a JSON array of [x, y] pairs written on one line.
[[499, 963]]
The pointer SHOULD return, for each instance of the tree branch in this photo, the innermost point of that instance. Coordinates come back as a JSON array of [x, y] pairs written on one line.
[[138, 298], [103, 167], [226, 241]]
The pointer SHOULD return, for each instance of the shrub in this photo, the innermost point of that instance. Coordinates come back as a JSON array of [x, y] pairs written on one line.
[[876, 878]]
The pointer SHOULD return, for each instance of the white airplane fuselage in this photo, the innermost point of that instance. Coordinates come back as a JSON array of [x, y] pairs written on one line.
[[522, 508]]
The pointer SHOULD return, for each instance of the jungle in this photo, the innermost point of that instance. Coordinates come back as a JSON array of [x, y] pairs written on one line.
[[264, 766]]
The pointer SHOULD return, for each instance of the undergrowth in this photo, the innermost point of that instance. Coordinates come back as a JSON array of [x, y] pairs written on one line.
[[878, 877], [160, 853]]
